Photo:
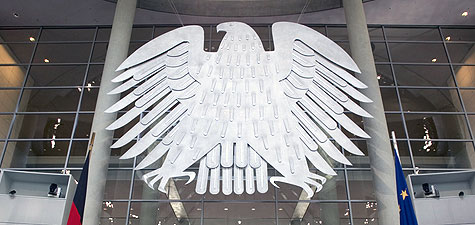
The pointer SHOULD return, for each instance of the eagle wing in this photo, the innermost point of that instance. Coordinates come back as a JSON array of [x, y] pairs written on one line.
[[312, 73], [161, 78]]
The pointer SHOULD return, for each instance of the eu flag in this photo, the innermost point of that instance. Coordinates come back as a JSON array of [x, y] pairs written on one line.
[[406, 211]]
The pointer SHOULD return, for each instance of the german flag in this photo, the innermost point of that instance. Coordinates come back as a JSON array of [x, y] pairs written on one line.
[[77, 208]]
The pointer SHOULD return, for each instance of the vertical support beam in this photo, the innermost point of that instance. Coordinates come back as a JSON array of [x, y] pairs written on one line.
[[379, 147], [116, 54]]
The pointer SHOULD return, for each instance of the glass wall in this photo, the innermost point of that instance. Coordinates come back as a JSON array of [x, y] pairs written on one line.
[[49, 83]]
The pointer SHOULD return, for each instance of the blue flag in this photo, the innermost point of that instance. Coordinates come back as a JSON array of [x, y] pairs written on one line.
[[406, 211]]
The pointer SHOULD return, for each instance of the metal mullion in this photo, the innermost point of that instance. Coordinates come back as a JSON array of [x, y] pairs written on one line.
[[80, 100], [462, 104], [403, 117], [10, 129], [348, 195], [425, 87]]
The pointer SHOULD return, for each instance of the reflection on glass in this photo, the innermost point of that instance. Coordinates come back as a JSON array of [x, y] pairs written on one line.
[[17, 35], [412, 34], [49, 100], [99, 52], [9, 99], [443, 154], [417, 52], [436, 126], [12, 76], [49, 126], [165, 213], [37, 154], [361, 185], [365, 213], [117, 184], [384, 75], [246, 212], [410, 75], [15, 53], [141, 33], [78, 154], [390, 101], [56, 76], [62, 53], [113, 213], [459, 34], [461, 53], [379, 52], [433, 100], [56, 34]]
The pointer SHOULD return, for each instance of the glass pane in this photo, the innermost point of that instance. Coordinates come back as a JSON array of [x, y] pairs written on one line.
[[5, 121], [464, 75], [435, 100], [465, 34], [325, 213], [433, 126], [410, 75], [337, 33], [395, 124], [62, 53], [94, 75], [319, 29], [14, 35], [468, 99], [9, 99], [89, 99], [412, 34], [161, 30], [232, 212], [15, 53], [375, 33], [117, 184], [116, 153], [365, 213], [56, 76], [385, 76], [49, 100], [461, 53], [361, 185], [443, 154], [165, 213], [74, 34], [379, 52], [141, 33], [36, 154], [345, 45], [113, 213], [364, 162], [390, 101], [333, 189], [43, 126], [103, 34], [12, 76], [133, 46], [83, 126], [416, 52], [99, 52], [78, 153], [142, 191]]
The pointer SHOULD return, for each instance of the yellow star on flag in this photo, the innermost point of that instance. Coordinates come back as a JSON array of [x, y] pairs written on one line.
[[404, 194]]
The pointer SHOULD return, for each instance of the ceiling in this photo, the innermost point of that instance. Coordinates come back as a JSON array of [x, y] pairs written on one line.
[[72, 12]]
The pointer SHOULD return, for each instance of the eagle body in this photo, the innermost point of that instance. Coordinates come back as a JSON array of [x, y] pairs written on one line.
[[240, 110]]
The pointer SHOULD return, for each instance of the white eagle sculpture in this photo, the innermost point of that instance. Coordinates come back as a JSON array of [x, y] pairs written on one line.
[[240, 109]]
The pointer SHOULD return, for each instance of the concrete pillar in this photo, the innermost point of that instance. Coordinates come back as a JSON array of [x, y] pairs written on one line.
[[100, 156], [379, 147]]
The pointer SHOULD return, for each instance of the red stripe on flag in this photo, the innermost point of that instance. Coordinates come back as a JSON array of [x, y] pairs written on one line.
[[74, 217]]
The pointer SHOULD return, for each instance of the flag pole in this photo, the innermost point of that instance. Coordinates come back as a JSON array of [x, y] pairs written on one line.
[[91, 142], [393, 137]]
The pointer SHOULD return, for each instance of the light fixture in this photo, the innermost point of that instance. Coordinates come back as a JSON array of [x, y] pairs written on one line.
[[198, 209], [253, 209], [465, 13], [226, 209], [434, 60], [378, 77], [447, 38], [280, 209], [16, 15], [32, 39], [239, 221], [46, 60]]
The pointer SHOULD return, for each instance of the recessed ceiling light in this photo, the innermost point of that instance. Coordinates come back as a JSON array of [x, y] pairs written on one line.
[[434, 60], [32, 39], [46, 60], [198, 209], [16, 15], [280, 209], [253, 209], [378, 77], [447, 38], [239, 222], [465, 13], [226, 209]]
